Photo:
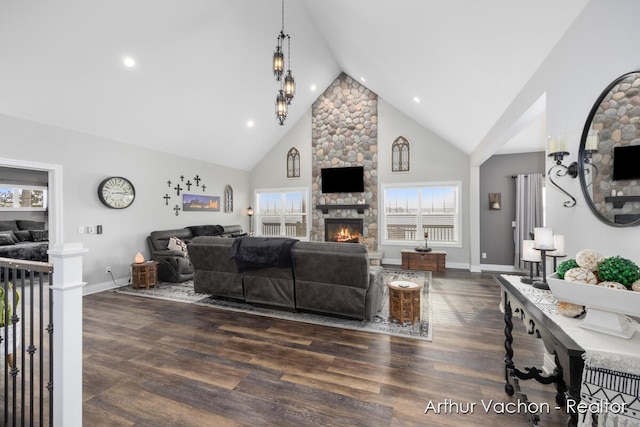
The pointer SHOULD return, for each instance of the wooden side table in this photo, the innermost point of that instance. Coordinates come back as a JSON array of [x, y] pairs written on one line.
[[404, 301], [144, 275]]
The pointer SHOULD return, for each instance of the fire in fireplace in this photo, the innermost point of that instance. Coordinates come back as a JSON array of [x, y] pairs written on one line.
[[345, 230]]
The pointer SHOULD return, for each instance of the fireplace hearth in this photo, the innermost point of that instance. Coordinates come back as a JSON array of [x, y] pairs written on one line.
[[343, 230]]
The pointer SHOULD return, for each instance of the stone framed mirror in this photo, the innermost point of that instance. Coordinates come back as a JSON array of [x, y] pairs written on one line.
[[608, 160]]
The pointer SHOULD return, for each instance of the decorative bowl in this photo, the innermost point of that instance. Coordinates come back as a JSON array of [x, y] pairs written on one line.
[[606, 306]]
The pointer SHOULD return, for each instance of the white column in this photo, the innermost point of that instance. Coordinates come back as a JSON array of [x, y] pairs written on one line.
[[67, 333]]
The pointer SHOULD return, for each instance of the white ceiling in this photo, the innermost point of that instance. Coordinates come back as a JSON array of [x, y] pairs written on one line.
[[203, 67]]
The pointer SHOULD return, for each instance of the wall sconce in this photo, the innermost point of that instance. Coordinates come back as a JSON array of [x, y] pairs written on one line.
[[494, 201], [558, 150], [250, 214], [590, 147]]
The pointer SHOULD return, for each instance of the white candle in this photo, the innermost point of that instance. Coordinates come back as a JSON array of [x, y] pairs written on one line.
[[558, 243], [553, 145], [592, 140], [543, 237], [528, 253], [562, 144]]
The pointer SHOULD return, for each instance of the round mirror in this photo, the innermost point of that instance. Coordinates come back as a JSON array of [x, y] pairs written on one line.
[[609, 156]]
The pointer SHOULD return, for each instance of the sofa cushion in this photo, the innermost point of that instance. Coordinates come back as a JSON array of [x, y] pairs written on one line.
[[39, 235], [160, 239], [10, 234], [9, 225], [6, 240], [206, 230], [30, 225], [176, 244], [23, 236]]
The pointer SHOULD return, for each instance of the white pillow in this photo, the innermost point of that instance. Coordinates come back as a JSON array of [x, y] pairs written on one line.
[[176, 244]]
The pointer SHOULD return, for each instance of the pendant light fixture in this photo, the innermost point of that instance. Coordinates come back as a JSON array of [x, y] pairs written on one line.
[[288, 84], [289, 81], [281, 107]]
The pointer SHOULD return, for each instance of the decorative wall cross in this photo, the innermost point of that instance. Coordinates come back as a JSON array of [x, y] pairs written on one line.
[[188, 184], [181, 177], [177, 209], [169, 182], [197, 179], [166, 199], [178, 189], [203, 187]]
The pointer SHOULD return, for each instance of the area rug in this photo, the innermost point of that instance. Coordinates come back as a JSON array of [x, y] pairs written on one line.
[[183, 292]]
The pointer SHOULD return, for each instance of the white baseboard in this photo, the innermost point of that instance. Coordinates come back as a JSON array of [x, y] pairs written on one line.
[[499, 267], [94, 288], [392, 261]]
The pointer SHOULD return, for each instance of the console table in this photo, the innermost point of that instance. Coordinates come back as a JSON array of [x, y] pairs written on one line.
[[590, 366], [428, 261]]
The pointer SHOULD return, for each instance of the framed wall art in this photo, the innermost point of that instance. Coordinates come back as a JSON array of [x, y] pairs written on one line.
[[200, 202]]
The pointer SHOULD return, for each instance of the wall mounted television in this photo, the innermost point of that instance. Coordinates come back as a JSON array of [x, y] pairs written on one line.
[[626, 162], [342, 180]]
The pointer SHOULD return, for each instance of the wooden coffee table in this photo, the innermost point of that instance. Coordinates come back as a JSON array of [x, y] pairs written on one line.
[[404, 301]]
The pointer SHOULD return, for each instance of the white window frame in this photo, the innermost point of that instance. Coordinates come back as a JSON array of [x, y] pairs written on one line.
[[258, 216], [419, 239], [16, 188]]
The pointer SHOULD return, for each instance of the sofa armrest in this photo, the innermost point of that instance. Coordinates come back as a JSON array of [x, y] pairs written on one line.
[[375, 274]]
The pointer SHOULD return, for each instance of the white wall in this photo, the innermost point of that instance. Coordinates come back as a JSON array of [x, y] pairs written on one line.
[[432, 159], [271, 171], [599, 47], [86, 160]]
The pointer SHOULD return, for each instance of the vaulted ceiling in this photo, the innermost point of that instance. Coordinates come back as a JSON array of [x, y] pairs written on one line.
[[203, 67]]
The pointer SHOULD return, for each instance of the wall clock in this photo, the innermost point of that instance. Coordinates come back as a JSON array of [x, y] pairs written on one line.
[[116, 192]]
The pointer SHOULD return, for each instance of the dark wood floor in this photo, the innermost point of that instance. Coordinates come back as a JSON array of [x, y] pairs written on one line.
[[158, 363]]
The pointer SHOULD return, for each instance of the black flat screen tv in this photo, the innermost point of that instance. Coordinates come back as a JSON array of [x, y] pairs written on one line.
[[626, 162], [343, 180]]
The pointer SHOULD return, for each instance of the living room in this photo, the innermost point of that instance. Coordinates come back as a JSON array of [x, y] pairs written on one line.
[[589, 55]]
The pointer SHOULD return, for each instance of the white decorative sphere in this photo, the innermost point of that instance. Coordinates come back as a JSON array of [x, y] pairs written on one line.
[[589, 259], [613, 285], [580, 275], [569, 309], [635, 286]]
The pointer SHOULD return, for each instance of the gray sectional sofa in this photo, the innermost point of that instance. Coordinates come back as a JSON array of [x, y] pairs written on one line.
[[175, 266], [326, 277], [24, 239]]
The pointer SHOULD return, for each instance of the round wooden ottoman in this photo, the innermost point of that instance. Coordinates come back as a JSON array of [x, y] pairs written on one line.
[[404, 301]]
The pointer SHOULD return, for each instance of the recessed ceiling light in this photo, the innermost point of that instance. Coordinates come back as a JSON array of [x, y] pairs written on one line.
[[416, 99], [313, 88], [363, 79], [129, 62], [250, 123]]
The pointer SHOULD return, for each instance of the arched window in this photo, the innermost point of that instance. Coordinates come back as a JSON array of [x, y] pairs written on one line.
[[293, 163], [400, 151], [228, 199]]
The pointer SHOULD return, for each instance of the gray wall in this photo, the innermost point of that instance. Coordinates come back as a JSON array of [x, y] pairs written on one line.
[[496, 232], [87, 160]]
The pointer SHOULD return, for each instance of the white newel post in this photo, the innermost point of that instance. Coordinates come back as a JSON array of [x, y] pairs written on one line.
[[67, 334]]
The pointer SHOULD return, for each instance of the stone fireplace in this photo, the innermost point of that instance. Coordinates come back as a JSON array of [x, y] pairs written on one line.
[[344, 132], [344, 230]]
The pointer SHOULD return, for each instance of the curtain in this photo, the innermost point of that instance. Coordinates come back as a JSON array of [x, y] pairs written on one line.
[[528, 211]]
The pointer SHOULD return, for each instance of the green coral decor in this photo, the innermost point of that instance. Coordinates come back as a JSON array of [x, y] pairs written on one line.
[[618, 269], [565, 266], [16, 296]]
